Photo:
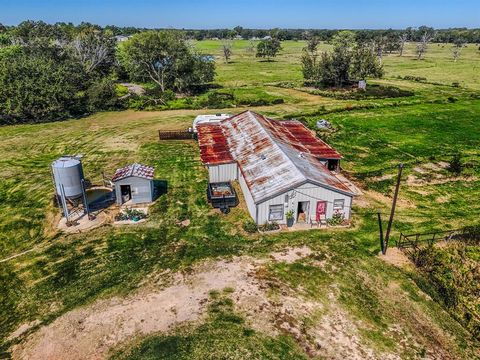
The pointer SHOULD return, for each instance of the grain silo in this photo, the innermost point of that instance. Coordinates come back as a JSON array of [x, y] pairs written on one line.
[[68, 176]]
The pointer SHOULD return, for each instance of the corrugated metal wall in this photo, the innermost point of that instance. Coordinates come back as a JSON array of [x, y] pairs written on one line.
[[222, 173], [142, 190], [252, 208], [307, 192]]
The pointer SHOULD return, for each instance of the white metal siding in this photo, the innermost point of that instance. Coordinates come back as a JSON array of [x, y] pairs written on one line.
[[252, 208], [306, 192], [142, 190], [222, 173]]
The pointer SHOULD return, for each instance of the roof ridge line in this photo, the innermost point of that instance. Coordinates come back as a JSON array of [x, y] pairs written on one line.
[[276, 144]]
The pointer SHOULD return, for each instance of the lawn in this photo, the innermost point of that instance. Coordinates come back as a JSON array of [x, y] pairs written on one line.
[[64, 272]]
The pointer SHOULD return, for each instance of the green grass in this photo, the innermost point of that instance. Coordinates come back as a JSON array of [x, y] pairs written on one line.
[[64, 272]]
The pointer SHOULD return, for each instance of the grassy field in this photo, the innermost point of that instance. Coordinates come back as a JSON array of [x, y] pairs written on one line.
[[424, 130]]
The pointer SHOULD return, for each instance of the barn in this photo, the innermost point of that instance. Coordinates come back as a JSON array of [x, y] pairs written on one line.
[[134, 184], [281, 166]]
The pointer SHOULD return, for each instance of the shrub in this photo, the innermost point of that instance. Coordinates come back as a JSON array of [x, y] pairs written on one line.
[[336, 220], [456, 166], [250, 227], [131, 214], [272, 226], [102, 95]]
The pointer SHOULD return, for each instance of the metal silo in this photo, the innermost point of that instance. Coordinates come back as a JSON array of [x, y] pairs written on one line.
[[68, 176]]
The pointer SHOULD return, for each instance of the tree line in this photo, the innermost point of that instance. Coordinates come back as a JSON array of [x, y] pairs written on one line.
[[414, 34], [51, 72]]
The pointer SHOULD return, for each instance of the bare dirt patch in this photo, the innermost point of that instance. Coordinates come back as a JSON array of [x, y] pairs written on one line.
[[396, 257], [92, 331]]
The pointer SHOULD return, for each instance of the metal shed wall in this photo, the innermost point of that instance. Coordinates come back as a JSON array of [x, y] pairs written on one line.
[[222, 173], [251, 206], [142, 190], [306, 192]]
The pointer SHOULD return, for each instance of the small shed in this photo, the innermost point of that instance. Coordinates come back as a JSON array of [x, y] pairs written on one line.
[[134, 184]]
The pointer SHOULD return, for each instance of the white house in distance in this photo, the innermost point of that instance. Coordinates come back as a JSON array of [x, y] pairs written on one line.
[[280, 166]]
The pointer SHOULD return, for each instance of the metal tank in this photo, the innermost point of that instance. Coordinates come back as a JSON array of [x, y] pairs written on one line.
[[68, 172]]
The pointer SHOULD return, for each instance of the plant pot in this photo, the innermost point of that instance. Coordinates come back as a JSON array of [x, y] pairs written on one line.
[[290, 222]]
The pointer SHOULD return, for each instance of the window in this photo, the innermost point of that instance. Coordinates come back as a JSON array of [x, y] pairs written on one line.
[[338, 204], [275, 212]]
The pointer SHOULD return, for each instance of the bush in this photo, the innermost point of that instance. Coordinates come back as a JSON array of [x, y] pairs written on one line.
[[456, 166], [250, 227], [102, 95], [336, 220], [269, 226], [415, 78], [130, 214], [217, 100]]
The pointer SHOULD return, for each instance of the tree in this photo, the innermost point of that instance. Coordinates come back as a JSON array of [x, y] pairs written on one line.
[[37, 88], [165, 58], [365, 64], [347, 61], [252, 45], [343, 45], [379, 45], [227, 50], [457, 47], [312, 44], [95, 50], [403, 38], [268, 48], [422, 45]]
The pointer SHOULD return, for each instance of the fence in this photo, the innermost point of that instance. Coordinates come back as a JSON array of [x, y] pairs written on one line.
[[176, 135], [414, 240]]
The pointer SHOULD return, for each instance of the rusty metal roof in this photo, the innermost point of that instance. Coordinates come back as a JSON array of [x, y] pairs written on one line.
[[213, 145], [135, 170], [273, 156]]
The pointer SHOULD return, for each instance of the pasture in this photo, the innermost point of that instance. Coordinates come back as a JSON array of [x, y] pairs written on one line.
[[59, 273]]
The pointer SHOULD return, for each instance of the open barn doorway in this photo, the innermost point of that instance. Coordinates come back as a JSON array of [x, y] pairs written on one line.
[[126, 191], [302, 211]]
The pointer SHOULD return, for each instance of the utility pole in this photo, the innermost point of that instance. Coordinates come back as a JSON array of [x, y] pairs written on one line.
[[392, 213]]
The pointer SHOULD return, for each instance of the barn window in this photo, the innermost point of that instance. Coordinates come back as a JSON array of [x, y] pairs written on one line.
[[338, 204], [275, 212]]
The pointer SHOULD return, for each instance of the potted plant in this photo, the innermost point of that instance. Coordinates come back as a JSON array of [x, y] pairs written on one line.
[[290, 217]]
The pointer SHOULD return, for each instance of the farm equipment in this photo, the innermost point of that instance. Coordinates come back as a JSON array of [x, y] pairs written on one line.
[[222, 196]]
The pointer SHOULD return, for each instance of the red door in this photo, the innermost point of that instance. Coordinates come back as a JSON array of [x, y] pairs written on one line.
[[321, 209]]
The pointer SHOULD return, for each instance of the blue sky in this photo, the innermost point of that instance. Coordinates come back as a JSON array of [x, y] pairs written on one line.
[[248, 13]]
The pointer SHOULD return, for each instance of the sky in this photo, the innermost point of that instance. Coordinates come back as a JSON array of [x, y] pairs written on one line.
[[261, 14]]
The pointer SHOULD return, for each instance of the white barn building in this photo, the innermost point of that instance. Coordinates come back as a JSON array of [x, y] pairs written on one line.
[[280, 166]]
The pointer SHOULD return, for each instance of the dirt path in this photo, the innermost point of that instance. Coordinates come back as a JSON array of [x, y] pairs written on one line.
[[91, 332]]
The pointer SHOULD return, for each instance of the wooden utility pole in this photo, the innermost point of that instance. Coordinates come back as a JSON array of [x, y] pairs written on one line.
[[392, 213]]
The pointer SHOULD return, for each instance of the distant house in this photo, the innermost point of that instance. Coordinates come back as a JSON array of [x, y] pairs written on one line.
[[281, 166], [268, 37], [121, 38], [134, 184]]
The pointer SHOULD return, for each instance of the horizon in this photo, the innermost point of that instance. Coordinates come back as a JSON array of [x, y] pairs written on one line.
[[209, 14]]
